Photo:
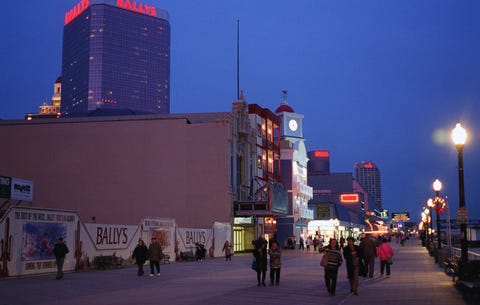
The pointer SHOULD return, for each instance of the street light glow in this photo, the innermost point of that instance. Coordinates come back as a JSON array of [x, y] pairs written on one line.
[[437, 185], [459, 135], [430, 203]]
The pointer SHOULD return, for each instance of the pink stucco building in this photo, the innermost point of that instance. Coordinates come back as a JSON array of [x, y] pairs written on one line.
[[118, 169]]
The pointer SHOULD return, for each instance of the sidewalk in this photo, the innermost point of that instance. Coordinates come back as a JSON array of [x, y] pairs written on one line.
[[415, 279]]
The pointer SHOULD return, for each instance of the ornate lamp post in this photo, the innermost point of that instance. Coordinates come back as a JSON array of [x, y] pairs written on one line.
[[439, 206], [430, 205], [459, 136], [425, 229], [426, 212]]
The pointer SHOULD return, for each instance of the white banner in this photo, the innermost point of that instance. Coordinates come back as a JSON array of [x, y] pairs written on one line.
[[188, 237], [110, 237], [22, 189]]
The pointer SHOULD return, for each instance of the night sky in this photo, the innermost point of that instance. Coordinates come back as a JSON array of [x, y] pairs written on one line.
[[384, 81]]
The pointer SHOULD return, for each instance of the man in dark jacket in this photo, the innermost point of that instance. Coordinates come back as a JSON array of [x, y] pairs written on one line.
[[260, 253], [60, 250], [368, 250], [140, 254], [154, 255]]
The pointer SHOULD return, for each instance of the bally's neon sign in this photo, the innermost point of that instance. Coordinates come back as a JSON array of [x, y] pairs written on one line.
[[125, 4], [76, 10], [138, 7]]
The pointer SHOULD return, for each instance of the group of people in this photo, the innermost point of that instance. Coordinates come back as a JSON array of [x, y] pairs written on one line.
[[360, 260], [309, 241], [153, 253], [261, 260]]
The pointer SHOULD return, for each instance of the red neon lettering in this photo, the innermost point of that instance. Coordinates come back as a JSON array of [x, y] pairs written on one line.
[[349, 198], [137, 7], [368, 165], [321, 153], [147, 9], [76, 10]]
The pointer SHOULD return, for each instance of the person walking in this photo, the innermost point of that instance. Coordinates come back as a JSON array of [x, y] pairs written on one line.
[[315, 243], [351, 253], [308, 242], [275, 263], [140, 254], [260, 253], [60, 250], [154, 255], [368, 249], [385, 254], [301, 245], [334, 261], [342, 242], [228, 250]]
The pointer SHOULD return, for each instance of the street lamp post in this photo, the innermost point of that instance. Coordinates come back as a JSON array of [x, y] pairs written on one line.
[[430, 205], [437, 187], [459, 136], [426, 211], [425, 228]]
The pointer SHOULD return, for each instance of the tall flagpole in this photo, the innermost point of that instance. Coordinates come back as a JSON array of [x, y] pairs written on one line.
[[238, 59]]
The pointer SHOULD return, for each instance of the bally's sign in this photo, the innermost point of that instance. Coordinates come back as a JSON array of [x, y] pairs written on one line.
[[134, 6], [106, 237]]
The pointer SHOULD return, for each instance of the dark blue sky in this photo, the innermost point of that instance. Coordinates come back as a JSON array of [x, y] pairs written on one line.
[[376, 80]]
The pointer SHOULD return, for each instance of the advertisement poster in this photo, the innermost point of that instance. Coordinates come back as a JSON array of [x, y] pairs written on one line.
[[39, 238]]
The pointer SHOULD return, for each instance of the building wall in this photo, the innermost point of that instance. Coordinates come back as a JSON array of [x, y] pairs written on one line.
[[119, 169]]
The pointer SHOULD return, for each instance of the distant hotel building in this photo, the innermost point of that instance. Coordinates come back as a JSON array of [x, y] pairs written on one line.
[[51, 110], [368, 176], [339, 202], [116, 59]]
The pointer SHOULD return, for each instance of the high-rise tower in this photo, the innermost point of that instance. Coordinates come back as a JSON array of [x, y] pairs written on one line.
[[116, 58], [368, 175]]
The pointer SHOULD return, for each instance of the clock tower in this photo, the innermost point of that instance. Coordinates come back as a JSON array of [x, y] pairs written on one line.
[[291, 122], [293, 164]]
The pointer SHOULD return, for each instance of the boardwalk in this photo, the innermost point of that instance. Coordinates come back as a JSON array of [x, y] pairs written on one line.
[[415, 280]]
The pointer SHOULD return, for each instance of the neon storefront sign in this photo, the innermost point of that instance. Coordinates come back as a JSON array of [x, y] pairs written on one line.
[[134, 6], [349, 198]]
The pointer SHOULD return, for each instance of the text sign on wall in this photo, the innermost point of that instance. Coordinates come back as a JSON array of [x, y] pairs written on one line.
[[22, 189], [105, 236], [189, 237], [5, 187]]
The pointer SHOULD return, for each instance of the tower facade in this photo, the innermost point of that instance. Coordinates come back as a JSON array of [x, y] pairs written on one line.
[[52, 110], [368, 175], [294, 173], [116, 57]]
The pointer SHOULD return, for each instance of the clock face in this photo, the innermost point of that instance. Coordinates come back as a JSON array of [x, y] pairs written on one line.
[[292, 124]]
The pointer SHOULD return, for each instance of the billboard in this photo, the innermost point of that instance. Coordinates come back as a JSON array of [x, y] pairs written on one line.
[[22, 189], [5, 187], [17, 189], [400, 216]]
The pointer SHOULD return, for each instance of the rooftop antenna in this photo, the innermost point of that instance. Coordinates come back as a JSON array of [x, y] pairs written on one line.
[[284, 96], [238, 59]]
